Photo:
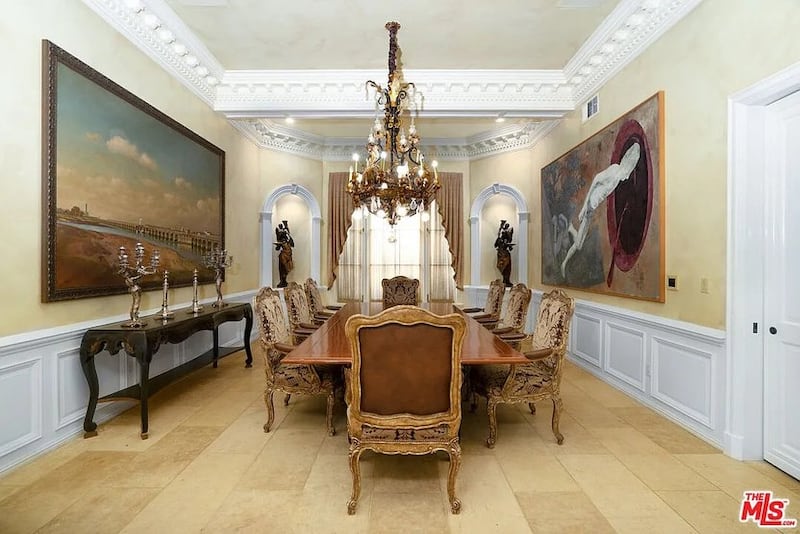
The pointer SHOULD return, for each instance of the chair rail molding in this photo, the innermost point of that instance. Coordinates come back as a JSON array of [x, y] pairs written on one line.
[[523, 216], [265, 219], [41, 377]]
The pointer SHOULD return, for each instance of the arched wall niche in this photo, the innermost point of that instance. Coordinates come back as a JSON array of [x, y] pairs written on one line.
[[268, 231], [519, 270]]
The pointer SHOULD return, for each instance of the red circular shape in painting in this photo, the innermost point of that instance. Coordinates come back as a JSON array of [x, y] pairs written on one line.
[[629, 207]]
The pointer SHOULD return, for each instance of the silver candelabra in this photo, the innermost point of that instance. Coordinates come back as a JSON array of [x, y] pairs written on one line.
[[218, 260], [165, 314], [196, 306], [132, 275]]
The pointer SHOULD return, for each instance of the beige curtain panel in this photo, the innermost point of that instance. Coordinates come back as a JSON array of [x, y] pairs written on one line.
[[451, 207], [340, 212]]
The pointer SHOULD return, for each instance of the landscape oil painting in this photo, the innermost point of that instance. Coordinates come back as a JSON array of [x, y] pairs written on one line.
[[118, 172], [603, 209]]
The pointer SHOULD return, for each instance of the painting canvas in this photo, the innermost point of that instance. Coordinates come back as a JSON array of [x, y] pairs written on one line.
[[603, 209], [117, 172]]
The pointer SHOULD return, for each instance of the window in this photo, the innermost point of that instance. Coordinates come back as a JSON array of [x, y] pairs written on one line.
[[413, 248]]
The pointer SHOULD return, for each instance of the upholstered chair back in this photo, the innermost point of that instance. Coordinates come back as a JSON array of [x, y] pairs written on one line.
[[400, 290], [516, 314], [313, 296], [494, 299], [553, 322], [406, 363], [297, 305], [272, 326]]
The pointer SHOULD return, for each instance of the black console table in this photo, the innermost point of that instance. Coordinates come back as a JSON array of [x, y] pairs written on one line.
[[142, 343]]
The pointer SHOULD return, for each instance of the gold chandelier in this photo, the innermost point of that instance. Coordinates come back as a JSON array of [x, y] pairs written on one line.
[[395, 181]]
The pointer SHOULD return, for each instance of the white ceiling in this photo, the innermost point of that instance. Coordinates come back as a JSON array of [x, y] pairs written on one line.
[[261, 61], [434, 34]]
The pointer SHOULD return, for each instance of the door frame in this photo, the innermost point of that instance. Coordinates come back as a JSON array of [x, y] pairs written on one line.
[[747, 232]]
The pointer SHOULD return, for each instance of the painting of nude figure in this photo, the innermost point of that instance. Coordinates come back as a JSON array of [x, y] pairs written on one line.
[[603, 209]]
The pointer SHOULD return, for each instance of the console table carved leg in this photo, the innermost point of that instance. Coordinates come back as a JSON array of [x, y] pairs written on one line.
[[216, 345], [248, 327], [144, 382], [90, 372]]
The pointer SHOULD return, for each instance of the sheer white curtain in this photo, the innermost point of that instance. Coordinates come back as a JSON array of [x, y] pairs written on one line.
[[412, 248]]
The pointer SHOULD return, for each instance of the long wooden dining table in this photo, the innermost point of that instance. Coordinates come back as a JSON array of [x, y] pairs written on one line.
[[328, 344]]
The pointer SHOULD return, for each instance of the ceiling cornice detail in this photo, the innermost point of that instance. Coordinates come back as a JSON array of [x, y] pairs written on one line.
[[249, 98], [268, 134], [327, 93], [156, 30], [623, 35]]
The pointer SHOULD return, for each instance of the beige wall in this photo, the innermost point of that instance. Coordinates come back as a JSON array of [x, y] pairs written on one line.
[[75, 28], [721, 47]]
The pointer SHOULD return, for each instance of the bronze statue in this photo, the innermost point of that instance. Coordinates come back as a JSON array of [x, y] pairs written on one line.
[[284, 244], [504, 247]]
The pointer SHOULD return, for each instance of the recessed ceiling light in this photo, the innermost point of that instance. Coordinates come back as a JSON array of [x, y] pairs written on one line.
[[289, 120], [500, 119]]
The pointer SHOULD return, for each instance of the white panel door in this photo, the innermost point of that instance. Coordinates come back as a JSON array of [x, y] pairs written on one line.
[[782, 286]]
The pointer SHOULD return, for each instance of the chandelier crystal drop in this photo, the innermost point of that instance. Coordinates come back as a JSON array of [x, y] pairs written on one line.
[[395, 180]]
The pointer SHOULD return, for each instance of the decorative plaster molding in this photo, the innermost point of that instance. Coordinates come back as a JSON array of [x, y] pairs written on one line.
[[268, 134], [243, 95], [626, 33], [153, 27]]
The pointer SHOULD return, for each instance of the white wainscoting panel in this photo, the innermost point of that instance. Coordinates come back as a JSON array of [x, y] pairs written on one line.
[[588, 335], [71, 401], [625, 354], [21, 417], [682, 378], [674, 367], [42, 379]]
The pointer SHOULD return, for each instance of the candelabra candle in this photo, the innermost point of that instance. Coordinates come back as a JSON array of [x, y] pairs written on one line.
[[196, 306], [132, 274], [165, 313]]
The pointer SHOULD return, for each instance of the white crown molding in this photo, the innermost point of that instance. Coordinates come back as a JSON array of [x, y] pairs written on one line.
[[156, 30], [268, 134], [623, 35], [527, 93], [248, 94]]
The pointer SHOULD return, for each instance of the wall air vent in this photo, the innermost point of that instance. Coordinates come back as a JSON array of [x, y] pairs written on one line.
[[591, 107]]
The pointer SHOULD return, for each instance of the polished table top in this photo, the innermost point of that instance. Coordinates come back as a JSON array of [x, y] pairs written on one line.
[[328, 344]]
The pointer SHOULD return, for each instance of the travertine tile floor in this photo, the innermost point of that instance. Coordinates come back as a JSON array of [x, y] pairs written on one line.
[[208, 467]]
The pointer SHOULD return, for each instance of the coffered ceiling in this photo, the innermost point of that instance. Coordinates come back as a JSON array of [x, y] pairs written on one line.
[[262, 61]]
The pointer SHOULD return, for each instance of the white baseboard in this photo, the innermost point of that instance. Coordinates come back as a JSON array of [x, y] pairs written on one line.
[[40, 373]]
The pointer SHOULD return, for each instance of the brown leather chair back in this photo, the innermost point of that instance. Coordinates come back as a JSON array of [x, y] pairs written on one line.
[[406, 361]]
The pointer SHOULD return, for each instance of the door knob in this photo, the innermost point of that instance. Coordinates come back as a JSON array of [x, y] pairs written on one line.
[[773, 330]]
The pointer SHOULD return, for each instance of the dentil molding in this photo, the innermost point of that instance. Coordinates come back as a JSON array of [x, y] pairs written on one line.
[[245, 95], [269, 134]]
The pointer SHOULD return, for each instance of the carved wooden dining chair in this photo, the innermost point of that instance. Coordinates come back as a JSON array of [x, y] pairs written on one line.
[[315, 301], [404, 391], [400, 290], [512, 323], [494, 302], [540, 378], [274, 341], [301, 319]]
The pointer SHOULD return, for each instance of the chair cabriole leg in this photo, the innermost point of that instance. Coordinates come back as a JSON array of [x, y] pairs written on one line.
[[355, 469], [270, 409], [557, 405]]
